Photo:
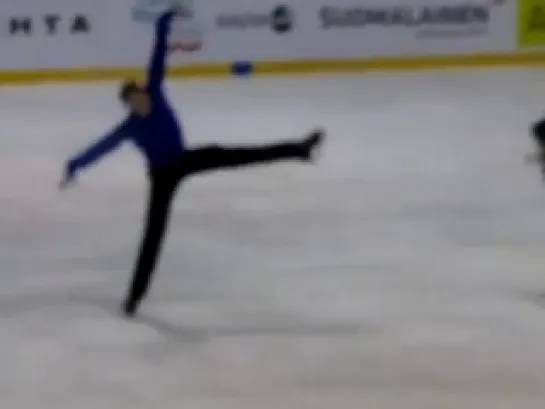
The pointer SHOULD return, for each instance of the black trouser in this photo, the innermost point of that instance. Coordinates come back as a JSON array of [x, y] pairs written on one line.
[[538, 132], [164, 182]]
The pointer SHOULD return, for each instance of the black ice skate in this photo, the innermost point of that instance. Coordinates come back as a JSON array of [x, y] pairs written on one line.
[[130, 308], [311, 144]]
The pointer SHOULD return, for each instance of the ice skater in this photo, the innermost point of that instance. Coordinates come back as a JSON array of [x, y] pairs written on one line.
[[153, 127]]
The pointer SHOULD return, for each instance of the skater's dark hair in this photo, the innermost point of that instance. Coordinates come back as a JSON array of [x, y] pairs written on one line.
[[128, 88]]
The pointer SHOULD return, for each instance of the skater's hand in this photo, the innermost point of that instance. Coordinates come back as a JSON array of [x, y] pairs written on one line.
[[177, 7], [69, 176]]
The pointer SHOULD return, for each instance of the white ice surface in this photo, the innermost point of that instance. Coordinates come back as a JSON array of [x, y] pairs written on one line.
[[404, 270]]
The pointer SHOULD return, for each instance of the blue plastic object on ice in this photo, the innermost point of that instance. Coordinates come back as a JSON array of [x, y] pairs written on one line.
[[242, 68]]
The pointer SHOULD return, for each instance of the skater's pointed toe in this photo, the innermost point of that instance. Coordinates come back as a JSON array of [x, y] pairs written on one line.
[[311, 144], [316, 137]]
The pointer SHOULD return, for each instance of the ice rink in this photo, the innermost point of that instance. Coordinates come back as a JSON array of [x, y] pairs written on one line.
[[406, 269]]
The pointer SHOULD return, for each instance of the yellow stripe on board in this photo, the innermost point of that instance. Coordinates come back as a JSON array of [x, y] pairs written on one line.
[[104, 74], [401, 63], [280, 67]]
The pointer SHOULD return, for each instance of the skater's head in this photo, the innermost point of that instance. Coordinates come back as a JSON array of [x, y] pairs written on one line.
[[135, 97]]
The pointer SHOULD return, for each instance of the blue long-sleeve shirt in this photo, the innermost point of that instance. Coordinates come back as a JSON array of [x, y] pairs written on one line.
[[158, 135]]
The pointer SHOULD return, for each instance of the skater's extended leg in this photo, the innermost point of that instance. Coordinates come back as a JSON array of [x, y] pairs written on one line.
[[218, 157], [161, 193]]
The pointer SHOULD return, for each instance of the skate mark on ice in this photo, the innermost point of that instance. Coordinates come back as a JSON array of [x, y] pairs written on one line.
[[537, 298], [204, 333], [175, 332], [171, 332]]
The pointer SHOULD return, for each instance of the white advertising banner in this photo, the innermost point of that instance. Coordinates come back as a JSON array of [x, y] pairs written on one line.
[[359, 28], [421, 27], [106, 33]]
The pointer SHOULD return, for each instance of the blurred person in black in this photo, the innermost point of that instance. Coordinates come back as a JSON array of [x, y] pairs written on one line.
[[537, 131]]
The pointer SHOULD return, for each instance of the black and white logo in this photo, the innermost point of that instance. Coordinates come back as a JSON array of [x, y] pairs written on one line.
[[50, 24], [281, 20]]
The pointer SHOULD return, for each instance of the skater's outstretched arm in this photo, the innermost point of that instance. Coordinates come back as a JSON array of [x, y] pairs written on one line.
[[156, 70], [97, 150]]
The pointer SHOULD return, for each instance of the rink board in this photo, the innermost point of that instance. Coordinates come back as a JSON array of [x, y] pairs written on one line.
[[79, 40], [277, 68]]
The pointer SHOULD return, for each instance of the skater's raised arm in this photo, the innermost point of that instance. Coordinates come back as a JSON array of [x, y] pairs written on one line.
[[156, 70], [97, 150]]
